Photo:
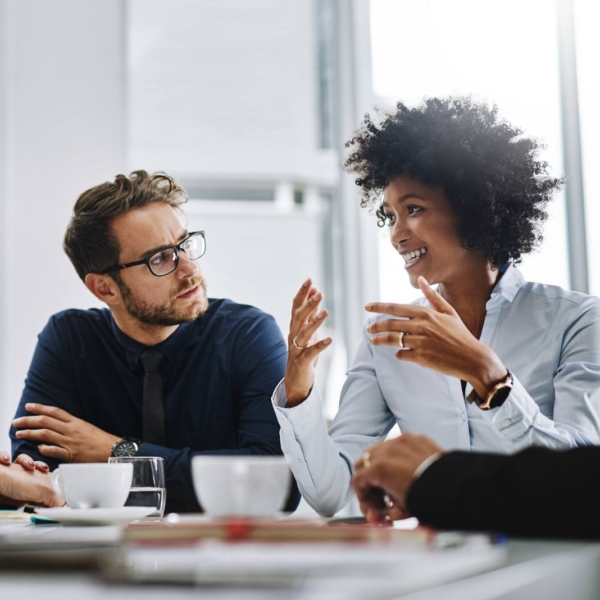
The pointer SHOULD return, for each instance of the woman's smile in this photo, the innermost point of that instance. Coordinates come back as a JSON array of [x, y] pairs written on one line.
[[413, 257]]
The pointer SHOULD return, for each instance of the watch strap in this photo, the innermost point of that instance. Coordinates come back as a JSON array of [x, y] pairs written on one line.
[[496, 396]]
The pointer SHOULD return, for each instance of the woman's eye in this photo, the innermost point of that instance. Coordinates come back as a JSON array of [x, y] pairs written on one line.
[[414, 209]]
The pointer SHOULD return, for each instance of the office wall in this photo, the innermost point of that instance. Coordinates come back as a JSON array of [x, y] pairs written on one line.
[[62, 131]]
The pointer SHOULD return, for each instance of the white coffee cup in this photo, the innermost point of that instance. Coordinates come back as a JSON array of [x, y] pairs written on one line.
[[93, 485], [241, 485]]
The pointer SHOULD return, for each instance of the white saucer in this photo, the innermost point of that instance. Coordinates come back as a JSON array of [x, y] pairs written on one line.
[[96, 516]]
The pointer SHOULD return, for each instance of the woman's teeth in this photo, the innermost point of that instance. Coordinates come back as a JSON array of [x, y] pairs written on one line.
[[411, 257]]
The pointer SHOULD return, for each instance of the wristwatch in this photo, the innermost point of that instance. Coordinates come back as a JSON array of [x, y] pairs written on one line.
[[495, 397], [126, 447]]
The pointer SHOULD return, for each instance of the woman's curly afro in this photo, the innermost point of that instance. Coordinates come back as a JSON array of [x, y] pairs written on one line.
[[489, 173]]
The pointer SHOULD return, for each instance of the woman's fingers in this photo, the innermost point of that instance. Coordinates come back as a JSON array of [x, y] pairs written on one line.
[[26, 462], [302, 295], [305, 334]]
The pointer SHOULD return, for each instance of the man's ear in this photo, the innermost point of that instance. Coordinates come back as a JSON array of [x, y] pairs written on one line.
[[104, 287]]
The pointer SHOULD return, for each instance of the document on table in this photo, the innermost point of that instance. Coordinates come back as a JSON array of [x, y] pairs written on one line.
[[360, 570]]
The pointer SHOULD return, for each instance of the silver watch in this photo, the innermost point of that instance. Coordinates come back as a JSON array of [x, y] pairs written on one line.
[[126, 447]]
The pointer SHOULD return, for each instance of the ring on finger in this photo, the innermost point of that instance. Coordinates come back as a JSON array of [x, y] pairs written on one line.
[[366, 458], [401, 340], [296, 345], [401, 343]]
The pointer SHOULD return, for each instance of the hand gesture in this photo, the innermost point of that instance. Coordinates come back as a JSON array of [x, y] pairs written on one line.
[[437, 338], [19, 486], [62, 436], [385, 472], [303, 349]]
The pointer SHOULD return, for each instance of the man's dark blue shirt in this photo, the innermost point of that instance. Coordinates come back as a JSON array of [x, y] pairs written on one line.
[[219, 374]]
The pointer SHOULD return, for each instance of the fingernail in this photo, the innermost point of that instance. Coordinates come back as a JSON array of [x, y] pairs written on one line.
[[328, 341], [31, 463], [305, 284], [368, 306], [30, 405], [19, 433]]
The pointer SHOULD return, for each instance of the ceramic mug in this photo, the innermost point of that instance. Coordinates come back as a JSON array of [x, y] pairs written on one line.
[[93, 485], [241, 485]]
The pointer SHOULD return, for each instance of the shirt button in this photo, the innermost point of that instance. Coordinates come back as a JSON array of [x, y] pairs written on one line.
[[305, 419], [300, 461], [463, 416], [506, 423]]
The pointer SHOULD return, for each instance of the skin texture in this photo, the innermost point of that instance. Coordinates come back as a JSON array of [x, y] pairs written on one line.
[[384, 474], [146, 308], [26, 481], [444, 338]]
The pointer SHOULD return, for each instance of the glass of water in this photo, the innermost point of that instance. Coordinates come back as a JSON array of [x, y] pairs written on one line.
[[148, 483]]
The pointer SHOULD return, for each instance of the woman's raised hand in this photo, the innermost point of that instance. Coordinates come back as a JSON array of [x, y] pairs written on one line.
[[437, 338], [303, 347]]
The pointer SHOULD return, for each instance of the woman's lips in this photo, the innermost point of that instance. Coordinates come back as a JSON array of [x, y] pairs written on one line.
[[416, 261]]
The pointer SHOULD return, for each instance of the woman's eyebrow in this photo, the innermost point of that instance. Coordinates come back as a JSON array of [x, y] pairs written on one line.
[[410, 195]]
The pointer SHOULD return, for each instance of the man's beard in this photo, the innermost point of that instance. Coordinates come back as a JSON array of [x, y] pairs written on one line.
[[165, 314]]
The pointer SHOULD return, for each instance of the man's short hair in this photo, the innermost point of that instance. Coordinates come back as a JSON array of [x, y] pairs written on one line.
[[89, 241]]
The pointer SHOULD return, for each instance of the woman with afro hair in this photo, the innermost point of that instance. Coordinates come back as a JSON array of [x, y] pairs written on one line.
[[486, 361]]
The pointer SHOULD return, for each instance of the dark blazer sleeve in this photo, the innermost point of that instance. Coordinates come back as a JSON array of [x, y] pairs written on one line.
[[537, 492]]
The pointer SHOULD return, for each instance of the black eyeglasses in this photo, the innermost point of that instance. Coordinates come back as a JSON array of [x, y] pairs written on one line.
[[165, 261]]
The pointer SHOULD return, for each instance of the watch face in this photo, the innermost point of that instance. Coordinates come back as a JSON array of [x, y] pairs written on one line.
[[500, 396], [125, 448]]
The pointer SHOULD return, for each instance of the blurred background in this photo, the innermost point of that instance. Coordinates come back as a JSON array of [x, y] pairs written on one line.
[[249, 103]]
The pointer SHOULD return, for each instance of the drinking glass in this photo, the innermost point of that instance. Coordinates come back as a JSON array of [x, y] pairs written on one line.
[[148, 483]]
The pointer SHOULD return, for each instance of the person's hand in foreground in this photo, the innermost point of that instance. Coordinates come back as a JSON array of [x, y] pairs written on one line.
[[303, 349], [385, 472], [62, 436], [26, 481]]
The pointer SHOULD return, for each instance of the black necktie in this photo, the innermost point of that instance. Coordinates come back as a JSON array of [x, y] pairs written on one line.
[[153, 419]]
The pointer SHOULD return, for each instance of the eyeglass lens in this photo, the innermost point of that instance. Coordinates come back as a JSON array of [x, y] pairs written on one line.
[[165, 261]]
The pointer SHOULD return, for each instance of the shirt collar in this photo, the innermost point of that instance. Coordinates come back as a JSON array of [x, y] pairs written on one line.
[[509, 284], [174, 347]]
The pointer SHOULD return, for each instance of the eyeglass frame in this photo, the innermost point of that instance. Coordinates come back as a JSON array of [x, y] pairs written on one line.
[[146, 261]]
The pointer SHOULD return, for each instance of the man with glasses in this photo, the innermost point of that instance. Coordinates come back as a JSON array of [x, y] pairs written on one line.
[[163, 371]]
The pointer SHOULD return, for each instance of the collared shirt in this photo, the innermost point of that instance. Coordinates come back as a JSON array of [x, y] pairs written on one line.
[[548, 338], [219, 374]]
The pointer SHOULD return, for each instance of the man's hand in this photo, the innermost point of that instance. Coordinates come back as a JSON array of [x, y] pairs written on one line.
[[62, 436], [437, 338], [385, 472], [19, 486]]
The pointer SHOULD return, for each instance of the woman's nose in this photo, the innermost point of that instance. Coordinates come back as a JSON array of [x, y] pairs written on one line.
[[399, 233]]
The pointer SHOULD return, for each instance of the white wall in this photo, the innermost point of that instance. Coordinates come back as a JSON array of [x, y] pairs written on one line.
[[63, 119]]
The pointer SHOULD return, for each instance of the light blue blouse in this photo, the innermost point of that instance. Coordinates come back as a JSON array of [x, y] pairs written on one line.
[[548, 338]]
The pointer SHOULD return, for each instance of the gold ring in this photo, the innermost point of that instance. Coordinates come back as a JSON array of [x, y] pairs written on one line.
[[366, 458], [297, 346]]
